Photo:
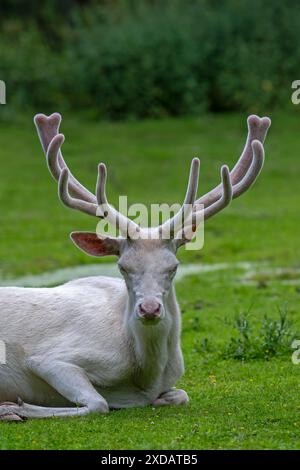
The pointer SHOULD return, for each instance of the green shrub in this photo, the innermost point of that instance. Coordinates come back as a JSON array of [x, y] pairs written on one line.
[[272, 337]]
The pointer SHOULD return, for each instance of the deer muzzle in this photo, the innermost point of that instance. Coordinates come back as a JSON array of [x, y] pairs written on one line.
[[150, 310]]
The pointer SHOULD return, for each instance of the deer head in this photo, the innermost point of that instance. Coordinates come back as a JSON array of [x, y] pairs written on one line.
[[146, 257]]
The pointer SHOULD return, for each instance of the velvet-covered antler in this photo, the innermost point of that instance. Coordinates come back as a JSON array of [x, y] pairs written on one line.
[[69, 186], [232, 185]]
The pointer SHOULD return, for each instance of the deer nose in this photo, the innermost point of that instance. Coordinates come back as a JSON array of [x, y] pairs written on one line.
[[150, 309]]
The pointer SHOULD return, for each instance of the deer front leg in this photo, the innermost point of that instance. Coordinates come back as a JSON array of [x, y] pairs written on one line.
[[67, 379], [172, 397]]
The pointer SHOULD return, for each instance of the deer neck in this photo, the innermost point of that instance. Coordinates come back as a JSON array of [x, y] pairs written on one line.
[[153, 346]]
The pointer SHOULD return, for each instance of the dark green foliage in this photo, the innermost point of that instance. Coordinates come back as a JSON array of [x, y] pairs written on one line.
[[129, 59], [142, 65]]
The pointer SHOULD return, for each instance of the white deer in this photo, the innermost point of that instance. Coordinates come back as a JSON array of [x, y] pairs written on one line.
[[99, 343]]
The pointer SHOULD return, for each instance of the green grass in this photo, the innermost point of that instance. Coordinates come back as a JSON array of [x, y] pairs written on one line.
[[233, 404]]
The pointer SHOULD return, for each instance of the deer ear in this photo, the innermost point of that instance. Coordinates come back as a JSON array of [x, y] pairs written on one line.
[[91, 244]]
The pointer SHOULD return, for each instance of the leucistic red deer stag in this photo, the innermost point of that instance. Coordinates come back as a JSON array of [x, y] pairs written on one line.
[[98, 343]]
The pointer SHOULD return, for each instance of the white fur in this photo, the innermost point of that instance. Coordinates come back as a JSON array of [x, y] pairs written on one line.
[[77, 344]]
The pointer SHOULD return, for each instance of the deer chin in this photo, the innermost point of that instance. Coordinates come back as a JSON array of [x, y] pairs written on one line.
[[150, 322]]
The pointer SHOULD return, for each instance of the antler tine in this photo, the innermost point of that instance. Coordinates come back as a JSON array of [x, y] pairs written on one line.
[[257, 130], [254, 170], [105, 210], [192, 187], [69, 201], [227, 192], [191, 223], [101, 184], [175, 223], [47, 127], [52, 155]]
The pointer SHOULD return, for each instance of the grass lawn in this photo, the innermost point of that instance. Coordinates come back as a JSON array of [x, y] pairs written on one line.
[[240, 404]]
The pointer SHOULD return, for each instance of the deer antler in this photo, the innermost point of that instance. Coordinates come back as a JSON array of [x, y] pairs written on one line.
[[84, 200], [171, 226], [48, 127], [232, 185], [246, 169]]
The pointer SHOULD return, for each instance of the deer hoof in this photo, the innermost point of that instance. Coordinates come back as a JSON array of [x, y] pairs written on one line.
[[172, 397], [11, 417]]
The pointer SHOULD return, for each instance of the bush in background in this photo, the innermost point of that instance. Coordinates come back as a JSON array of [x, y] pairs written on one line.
[[133, 59]]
